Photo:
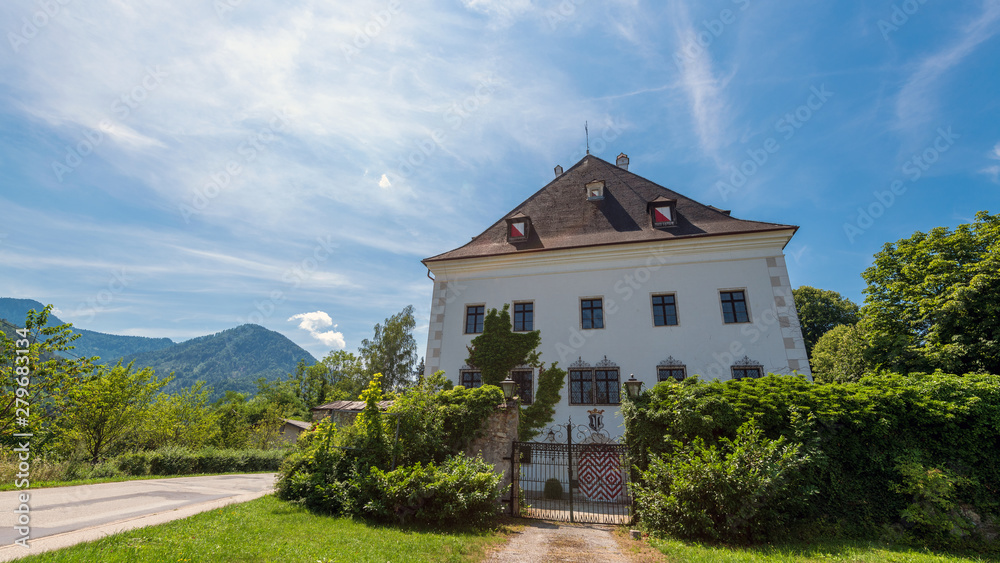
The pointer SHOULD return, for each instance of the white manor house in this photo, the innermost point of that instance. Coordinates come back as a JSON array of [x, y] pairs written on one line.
[[622, 277]]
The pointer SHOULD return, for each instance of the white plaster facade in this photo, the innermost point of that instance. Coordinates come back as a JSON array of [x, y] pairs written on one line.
[[626, 276]]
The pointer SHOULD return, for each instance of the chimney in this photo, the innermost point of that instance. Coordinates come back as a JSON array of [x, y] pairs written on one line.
[[622, 161], [559, 171]]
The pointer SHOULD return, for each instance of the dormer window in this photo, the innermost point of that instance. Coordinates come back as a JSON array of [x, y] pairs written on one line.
[[662, 212], [518, 228], [595, 190]]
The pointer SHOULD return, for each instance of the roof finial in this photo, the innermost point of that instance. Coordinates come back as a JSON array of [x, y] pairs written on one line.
[[586, 131]]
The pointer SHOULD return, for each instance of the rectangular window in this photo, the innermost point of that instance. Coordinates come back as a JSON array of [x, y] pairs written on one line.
[[524, 317], [606, 386], [671, 373], [751, 373], [591, 313], [474, 315], [581, 387], [523, 379], [471, 379], [594, 387], [664, 310], [734, 307]]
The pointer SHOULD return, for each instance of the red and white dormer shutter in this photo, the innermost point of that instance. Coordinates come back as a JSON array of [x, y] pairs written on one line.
[[518, 228]]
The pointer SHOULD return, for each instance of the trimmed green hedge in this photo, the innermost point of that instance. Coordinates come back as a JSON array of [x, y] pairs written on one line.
[[182, 461], [860, 436]]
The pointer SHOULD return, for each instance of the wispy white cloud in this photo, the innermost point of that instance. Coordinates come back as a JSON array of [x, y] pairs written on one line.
[[705, 90], [993, 170], [916, 104], [314, 322], [501, 12]]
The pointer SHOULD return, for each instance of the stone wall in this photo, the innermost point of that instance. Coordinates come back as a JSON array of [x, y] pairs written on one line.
[[496, 436]]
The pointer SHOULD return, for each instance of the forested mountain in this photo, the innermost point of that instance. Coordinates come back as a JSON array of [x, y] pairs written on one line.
[[109, 347], [233, 359], [230, 360]]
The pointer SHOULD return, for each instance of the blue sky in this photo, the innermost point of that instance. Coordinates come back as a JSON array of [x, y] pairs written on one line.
[[178, 168]]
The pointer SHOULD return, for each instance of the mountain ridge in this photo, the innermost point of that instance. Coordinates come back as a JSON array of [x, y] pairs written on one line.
[[229, 360]]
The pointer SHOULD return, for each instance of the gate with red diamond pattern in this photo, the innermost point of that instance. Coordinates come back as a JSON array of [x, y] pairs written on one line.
[[573, 474]]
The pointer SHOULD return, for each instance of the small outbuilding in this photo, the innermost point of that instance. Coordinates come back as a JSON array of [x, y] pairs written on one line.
[[291, 429]]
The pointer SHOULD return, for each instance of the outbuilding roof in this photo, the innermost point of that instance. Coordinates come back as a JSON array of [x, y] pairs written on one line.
[[350, 406], [563, 217]]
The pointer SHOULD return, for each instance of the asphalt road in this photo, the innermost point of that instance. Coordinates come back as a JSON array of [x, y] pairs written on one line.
[[63, 516]]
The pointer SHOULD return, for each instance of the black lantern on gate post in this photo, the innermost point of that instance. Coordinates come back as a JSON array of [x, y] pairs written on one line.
[[633, 386]]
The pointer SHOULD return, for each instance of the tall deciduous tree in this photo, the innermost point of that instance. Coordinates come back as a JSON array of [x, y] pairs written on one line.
[[108, 404], [179, 419], [48, 377], [392, 351], [933, 300], [346, 376], [819, 310]]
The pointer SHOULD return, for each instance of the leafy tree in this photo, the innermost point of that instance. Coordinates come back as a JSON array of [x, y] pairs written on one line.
[[392, 351], [345, 375], [312, 383], [499, 349], [283, 397], [840, 355], [180, 419], [49, 378], [106, 405], [234, 425], [819, 310], [933, 300], [539, 414]]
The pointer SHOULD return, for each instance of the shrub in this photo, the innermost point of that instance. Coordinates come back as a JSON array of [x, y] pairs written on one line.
[[739, 492], [862, 432], [349, 470], [553, 489], [933, 515], [462, 490]]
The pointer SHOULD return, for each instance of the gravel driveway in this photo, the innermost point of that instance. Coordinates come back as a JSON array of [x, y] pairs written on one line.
[[543, 541]]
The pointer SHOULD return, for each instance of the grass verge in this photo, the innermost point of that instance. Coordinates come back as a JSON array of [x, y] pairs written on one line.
[[270, 530], [827, 551]]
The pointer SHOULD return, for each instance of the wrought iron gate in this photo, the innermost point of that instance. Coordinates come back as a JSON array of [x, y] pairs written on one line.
[[575, 474]]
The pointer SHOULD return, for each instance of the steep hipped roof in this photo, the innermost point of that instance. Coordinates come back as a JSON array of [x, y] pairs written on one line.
[[562, 217]]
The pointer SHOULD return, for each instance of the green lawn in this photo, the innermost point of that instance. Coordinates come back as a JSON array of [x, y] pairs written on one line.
[[268, 529], [846, 551]]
